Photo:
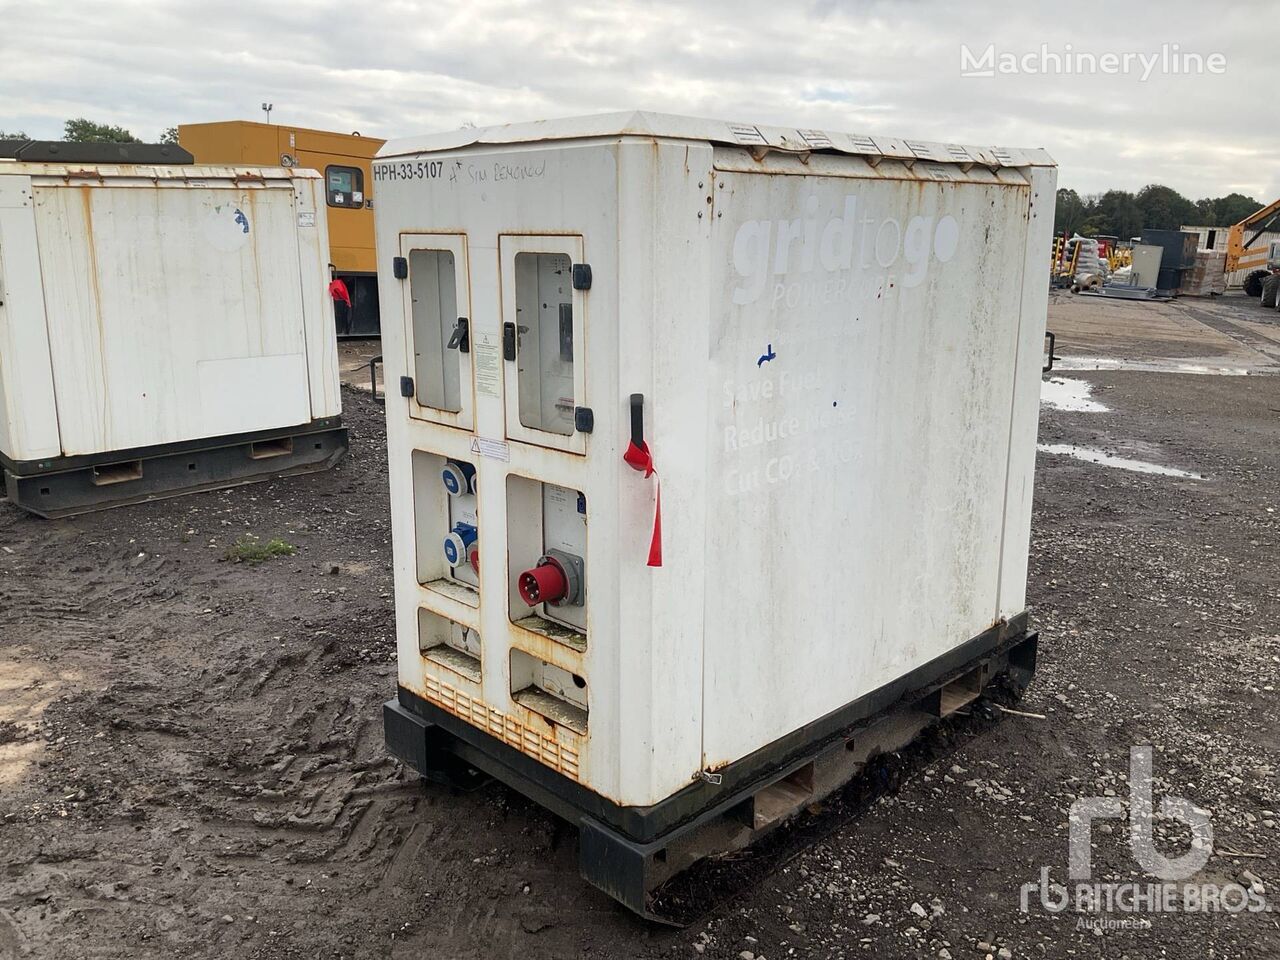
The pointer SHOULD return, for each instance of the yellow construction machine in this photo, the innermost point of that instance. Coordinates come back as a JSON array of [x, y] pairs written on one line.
[[1243, 255]]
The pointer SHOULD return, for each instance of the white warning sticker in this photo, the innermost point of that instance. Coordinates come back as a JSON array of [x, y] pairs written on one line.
[[486, 353], [493, 449]]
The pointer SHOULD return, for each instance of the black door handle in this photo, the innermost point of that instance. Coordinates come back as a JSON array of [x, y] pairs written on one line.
[[508, 341], [460, 340], [637, 420]]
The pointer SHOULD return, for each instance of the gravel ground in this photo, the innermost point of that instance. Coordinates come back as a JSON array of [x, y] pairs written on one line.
[[191, 762]]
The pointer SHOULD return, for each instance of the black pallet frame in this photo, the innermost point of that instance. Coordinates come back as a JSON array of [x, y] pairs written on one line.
[[624, 851], [66, 486]]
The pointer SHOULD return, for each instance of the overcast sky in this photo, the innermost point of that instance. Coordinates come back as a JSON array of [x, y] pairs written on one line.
[[396, 68]]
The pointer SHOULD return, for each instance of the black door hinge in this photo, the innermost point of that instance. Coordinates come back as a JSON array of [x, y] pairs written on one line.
[[508, 341], [582, 276], [460, 340], [406, 386], [400, 268], [584, 421]]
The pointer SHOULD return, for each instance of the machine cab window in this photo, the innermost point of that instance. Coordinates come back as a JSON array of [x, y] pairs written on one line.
[[344, 186]]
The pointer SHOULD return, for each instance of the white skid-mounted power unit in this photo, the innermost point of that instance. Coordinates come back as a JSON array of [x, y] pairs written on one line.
[[163, 328], [711, 460]]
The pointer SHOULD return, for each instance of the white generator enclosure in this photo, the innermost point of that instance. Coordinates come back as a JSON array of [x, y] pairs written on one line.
[[162, 329], [830, 346]]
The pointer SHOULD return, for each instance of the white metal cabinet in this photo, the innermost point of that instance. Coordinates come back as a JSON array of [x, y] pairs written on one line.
[[149, 310], [837, 343]]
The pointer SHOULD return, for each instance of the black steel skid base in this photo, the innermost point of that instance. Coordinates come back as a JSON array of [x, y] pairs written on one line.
[[66, 486], [628, 852]]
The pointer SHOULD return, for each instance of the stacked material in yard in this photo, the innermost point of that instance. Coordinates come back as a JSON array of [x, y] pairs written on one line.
[[1208, 276]]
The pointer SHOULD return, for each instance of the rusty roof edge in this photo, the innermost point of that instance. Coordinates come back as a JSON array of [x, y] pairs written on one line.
[[672, 126], [151, 171]]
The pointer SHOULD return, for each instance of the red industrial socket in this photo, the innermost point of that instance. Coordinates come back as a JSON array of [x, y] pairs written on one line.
[[545, 583]]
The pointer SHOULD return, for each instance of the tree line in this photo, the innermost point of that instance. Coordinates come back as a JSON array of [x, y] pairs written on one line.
[[81, 130], [1119, 213]]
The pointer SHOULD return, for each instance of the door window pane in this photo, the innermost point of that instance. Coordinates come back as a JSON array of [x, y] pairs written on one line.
[[545, 354], [435, 314]]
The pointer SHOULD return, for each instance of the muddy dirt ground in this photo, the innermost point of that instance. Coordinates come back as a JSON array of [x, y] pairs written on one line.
[[191, 758]]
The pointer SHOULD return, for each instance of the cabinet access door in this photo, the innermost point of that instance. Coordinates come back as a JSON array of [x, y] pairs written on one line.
[[543, 340], [176, 312], [437, 316]]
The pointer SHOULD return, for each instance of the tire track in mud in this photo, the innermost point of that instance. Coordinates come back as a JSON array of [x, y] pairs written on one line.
[[225, 730]]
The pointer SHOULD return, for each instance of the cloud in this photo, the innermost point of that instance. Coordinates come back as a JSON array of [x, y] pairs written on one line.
[[401, 68]]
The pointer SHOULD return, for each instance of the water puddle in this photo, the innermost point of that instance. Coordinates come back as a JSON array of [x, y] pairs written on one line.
[[1062, 393], [1195, 366], [1090, 455]]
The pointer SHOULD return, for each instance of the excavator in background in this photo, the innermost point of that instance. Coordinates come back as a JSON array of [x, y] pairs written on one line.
[[1243, 255]]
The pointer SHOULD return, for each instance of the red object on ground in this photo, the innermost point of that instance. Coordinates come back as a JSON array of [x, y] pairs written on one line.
[[338, 290], [639, 458], [545, 583]]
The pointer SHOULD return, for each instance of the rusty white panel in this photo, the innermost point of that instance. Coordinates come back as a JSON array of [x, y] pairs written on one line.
[[317, 307], [893, 147], [491, 197], [644, 124], [837, 165], [863, 339], [146, 176], [927, 151], [817, 139], [664, 339], [148, 290], [1025, 424], [28, 416]]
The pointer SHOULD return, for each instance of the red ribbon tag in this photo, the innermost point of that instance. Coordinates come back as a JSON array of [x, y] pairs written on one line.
[[639, 458], [338, 290]]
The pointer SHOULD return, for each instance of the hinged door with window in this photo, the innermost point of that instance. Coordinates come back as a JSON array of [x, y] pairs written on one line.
[[437, 306], [543, 341]]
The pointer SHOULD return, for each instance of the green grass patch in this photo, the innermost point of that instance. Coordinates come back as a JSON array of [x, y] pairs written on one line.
[[251, 550]]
